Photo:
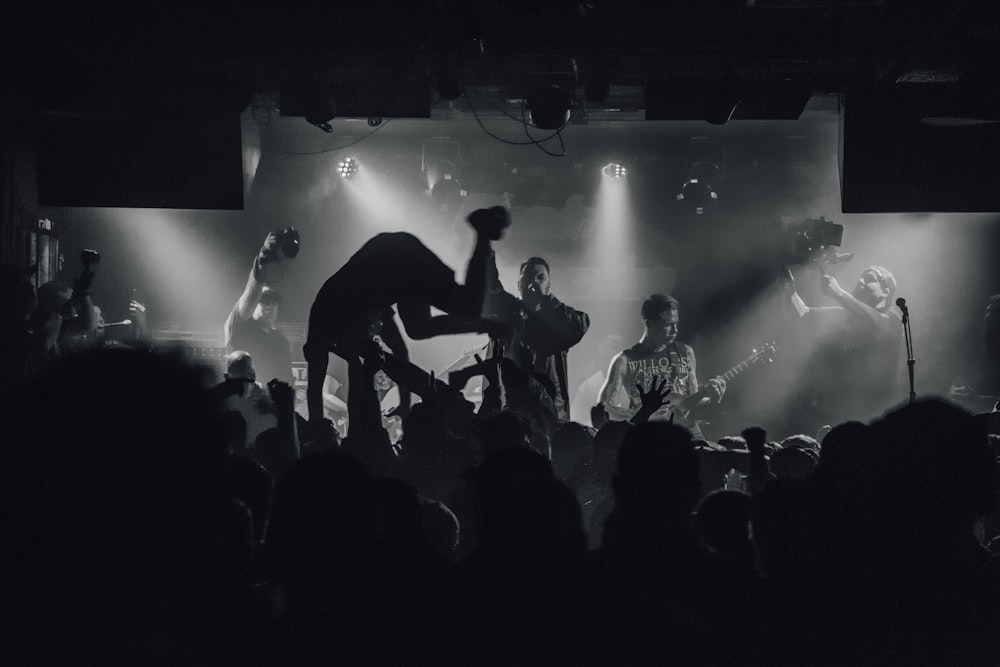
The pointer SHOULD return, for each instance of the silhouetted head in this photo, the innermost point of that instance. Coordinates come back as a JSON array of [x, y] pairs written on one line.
[[324, 514], [425, 430], [723, 524], [732, 442], [122, 456], [658, 472], [794, 462], [936, 463], [607, 444], [506, 429], [572, 450], [500, 471], [239, 366], [843, 448]]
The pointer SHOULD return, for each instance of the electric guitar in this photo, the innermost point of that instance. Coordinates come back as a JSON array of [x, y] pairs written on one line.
[[680, 406]]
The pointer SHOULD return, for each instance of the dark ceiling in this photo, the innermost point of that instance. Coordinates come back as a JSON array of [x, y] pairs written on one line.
[[917, 77], [218, 53]]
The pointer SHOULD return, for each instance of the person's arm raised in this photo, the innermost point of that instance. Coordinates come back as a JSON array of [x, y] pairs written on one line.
[[872, 319], [283, 396], [610, 390], [787, 283]]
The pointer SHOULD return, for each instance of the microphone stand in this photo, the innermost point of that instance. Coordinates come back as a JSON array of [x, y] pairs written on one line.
[[908, 335]]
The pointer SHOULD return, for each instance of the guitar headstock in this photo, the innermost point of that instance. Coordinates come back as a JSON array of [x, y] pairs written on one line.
[[765, 353]]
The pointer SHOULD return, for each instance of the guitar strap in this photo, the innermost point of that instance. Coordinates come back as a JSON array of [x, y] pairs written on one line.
[[675, 370]]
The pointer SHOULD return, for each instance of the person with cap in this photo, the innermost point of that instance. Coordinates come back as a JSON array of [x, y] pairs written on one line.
[[857, 371], [251, 323]]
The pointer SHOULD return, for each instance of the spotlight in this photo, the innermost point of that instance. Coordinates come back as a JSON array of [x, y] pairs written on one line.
[[347, 167], [442, 182], [614, 171], [319, 109], [704, 175], [440, 161], [698, 194], [549, 108]]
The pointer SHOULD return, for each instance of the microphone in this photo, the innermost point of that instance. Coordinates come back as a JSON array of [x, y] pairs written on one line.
[[901, 304]]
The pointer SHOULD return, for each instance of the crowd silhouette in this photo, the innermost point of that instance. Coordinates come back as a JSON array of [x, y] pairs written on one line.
[[142, 528]]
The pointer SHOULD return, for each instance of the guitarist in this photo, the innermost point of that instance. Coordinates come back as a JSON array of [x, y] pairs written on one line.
[[657, 362]]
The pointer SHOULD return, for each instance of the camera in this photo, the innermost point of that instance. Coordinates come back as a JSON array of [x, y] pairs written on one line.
[[808, 239], [90, 258], [288, 241]]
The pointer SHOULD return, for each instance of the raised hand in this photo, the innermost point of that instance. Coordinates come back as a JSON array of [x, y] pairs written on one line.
[[137, 312], [830, 285], [459, 378], [652, 399], [273, 251], [755, 438], [281, 393]]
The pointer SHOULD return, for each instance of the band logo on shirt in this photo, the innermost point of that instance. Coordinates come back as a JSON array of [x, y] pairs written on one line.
[[672, 367]]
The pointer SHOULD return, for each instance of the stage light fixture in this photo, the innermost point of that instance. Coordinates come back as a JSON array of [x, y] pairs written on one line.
[[614, 171], [698, 194], [319, 109], [700, 189], [347, 167], [549, 108], [442, 182]]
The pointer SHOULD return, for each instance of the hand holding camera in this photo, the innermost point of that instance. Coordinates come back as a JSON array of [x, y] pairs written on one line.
[[278, 246]]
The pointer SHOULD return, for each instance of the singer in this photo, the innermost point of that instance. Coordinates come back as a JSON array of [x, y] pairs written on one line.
[[544, 328], [856, 368]]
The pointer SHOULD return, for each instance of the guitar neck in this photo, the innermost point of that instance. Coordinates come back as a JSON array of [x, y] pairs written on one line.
[[738, 368]]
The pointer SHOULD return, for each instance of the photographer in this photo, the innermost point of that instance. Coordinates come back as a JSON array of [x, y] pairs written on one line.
[[855, 368], [251, 324]]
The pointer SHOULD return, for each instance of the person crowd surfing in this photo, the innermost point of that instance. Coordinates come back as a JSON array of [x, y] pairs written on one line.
[[396, 269]]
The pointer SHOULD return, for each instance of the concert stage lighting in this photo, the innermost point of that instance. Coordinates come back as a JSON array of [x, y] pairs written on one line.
[[549, 108], [698, 194], [614, 171], [442, 182], [347, 167], [699, 191], [440, 161]]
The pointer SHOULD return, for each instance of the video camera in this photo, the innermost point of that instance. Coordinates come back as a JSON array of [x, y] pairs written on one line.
[[812, 240], [288, 241], [90, 258]]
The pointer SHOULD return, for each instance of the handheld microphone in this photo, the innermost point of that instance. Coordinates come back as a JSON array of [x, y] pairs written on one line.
[[901, 304]]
